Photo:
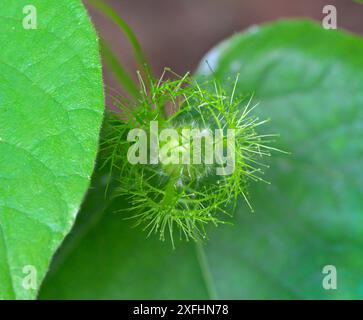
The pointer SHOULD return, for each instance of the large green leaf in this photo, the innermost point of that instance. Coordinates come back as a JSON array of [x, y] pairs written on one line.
[[309, 82], [51, 106]]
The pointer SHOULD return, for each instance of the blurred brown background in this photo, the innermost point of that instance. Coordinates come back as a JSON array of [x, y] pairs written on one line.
[[177, 33]]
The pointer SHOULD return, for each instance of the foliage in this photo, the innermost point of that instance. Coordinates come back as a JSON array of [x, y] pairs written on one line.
[[308, 81], [51, 109]]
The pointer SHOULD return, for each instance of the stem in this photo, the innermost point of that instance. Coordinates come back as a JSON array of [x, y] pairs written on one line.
[[119, 71], [124, 27], [205, 270], [170, 187]]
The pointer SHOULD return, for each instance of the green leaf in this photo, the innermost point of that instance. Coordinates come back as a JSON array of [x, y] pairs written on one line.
[[51, 107], [309, 82], [104, 257]]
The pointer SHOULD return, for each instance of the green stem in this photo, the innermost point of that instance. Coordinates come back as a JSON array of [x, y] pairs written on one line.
[[125, 28], [170, 188], [202, 259], [119, 71]]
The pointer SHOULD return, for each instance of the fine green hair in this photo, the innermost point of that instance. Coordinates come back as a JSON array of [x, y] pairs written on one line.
[[184, 198], [178, 199]]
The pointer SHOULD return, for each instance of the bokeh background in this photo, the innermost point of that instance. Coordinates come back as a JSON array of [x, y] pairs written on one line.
[[177, 33], [311, 215]]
